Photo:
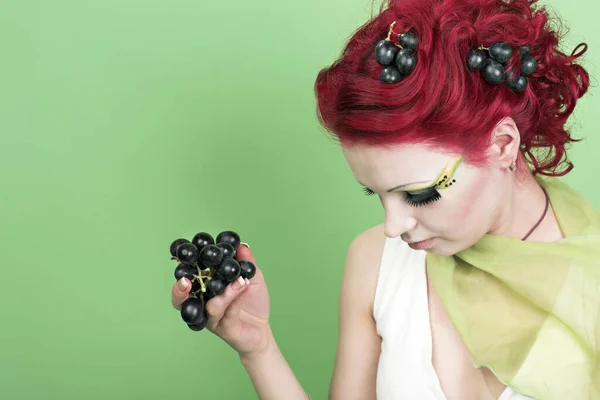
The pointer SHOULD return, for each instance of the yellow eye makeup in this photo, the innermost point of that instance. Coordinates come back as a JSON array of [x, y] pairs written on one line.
[[428, 194], [444, 180]]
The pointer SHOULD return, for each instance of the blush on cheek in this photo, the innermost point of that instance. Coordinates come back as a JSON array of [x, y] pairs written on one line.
[[462, 211], [469, 200]]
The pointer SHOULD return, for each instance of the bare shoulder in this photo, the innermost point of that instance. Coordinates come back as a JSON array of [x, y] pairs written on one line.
[[368, 245], [364, 255], [359, 345]]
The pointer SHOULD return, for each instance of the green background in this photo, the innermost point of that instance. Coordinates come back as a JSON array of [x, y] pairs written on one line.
[[127, 124]]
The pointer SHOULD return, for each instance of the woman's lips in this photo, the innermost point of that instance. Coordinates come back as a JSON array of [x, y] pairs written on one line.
[[422, 245]]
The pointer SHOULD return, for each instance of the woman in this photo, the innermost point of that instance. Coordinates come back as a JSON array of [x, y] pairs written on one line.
[[453, 112]]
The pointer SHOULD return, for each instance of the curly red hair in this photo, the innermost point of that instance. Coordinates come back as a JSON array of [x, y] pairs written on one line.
[[441, 102]]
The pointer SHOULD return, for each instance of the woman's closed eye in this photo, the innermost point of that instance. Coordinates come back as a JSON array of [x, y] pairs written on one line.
[[423, 197], [415, 199]]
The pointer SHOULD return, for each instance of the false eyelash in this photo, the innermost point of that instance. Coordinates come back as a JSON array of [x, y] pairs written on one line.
[[419, 199], [367, 191], [422, 198]]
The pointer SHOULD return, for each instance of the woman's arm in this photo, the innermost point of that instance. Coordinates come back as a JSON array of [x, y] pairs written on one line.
[[355, 372], [271, 375], [359, 344]]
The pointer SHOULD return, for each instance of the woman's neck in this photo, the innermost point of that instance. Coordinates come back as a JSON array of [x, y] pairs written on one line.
[[523, 210]]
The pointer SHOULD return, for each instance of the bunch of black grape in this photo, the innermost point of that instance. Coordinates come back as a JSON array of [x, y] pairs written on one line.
[[398, 60], [492, 64], [210, 265]]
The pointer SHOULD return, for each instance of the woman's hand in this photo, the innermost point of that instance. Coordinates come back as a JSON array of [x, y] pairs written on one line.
[[240, 315]]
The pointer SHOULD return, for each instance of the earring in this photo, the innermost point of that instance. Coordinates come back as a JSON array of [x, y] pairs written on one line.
[[513, 166]]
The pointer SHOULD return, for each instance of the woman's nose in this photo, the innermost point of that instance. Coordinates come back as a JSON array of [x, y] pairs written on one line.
[[398, 222]]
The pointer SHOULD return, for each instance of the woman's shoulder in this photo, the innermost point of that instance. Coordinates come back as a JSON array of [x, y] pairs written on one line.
[[359, 344], [368, 246], [373, 236], [372, 243], [363, 259]]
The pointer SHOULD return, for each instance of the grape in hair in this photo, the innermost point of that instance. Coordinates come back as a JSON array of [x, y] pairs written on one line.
[[230, 237], [187, 253], [528, 65], [247, 269], [390, 74], [229, 270], [385, 52], [515, 81], [493, 72], [405, 61], [500, 51], [524, 50], [520, 85], [202, 239], [211, 255], [176, 243], [408, 40], [476, 59]]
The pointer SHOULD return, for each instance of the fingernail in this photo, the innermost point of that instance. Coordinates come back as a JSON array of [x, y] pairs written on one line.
[[183, 284], [247, 281], [245, 244], [238, 283]]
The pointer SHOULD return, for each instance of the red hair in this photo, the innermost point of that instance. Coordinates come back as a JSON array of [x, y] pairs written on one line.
[[442, 103]]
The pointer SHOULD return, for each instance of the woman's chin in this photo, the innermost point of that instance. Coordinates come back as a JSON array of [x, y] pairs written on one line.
[[440, 250]]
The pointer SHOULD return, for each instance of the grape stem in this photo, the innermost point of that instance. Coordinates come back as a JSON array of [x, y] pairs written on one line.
[[390, 35], [202, 278], [390, 31]]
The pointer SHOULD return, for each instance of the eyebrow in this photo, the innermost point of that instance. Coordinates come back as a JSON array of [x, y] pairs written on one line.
[[405, 185], [400, 186]]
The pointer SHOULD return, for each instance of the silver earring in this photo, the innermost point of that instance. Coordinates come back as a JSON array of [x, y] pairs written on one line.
[[513, 166]]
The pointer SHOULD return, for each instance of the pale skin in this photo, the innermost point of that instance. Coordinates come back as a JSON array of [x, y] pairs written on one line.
[[490, 199]]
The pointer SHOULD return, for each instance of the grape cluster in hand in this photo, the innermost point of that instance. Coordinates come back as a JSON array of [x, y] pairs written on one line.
[[210, 265]]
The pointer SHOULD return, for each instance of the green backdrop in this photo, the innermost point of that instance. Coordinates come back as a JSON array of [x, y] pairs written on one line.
[[127, 124]]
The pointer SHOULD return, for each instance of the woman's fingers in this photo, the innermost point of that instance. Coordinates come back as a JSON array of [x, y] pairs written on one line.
[[180, 292], [244, 253], [216, 307]]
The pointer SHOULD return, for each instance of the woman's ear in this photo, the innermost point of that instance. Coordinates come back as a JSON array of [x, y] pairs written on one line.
[[505, 143]]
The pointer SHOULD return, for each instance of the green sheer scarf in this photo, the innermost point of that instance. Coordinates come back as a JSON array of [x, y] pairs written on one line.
[[530, 311]]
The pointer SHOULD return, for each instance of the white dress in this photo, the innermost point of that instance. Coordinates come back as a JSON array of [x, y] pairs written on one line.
[[401, 313]]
